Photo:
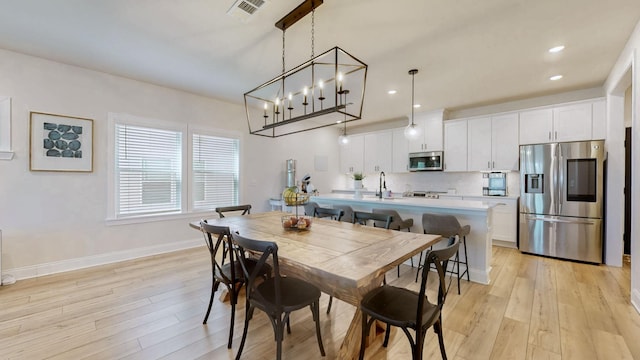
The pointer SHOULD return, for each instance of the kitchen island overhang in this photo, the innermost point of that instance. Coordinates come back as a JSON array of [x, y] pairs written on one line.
[[477, 214]]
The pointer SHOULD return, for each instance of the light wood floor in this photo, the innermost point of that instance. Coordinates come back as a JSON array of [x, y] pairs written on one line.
[[536, 308]]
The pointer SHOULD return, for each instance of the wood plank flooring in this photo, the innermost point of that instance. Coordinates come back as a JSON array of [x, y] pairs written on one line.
[[152, 308]]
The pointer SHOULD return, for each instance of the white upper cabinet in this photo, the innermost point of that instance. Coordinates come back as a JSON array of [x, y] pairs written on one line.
[[352, 155], [536, 126], [479, 144], [505, 149], [431, 125], [455, 145], [400, 153], [378, 151], [570, 122], [493, 143]]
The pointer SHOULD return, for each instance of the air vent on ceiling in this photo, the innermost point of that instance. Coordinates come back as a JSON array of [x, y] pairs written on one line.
[[245, 9]]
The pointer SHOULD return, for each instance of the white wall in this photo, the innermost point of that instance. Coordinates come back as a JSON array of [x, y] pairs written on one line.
[[615, 87], [56, 221]]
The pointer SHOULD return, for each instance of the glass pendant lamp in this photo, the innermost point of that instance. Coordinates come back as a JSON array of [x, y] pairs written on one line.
[[412, 131]]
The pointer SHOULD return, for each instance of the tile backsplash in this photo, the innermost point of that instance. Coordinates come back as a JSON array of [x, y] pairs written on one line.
[[466, 183]]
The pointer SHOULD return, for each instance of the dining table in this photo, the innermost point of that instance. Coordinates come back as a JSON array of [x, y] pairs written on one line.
[[342, 259]]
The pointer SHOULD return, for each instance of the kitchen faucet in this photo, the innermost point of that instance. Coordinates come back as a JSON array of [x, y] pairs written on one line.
[[383, 183]]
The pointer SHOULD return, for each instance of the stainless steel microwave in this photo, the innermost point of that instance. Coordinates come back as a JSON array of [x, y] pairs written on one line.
[[426, 161]]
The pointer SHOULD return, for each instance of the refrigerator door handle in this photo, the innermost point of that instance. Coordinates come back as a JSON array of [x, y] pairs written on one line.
[[581, 222]]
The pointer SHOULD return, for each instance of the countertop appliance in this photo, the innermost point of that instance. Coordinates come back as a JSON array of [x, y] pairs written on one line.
[[426, 161], [425, 194], [494, 184], [561, 198]]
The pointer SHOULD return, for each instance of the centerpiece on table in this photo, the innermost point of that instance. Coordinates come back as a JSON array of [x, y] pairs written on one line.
[[293, 197]]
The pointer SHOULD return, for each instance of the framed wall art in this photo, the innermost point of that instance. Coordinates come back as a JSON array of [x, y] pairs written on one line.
[[60, 143]]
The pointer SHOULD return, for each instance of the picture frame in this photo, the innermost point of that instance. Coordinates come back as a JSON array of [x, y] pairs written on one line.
[[60, 143]]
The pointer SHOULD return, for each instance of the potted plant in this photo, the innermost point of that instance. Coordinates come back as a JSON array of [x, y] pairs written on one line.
[[357, 180]]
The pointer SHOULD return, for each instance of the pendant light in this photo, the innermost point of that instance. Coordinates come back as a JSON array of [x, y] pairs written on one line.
[[412, 131], [344, 139]]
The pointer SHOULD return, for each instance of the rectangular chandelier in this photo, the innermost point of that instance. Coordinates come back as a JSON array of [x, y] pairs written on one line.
[[326, 90]]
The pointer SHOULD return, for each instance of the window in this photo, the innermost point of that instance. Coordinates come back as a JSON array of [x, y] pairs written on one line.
[[215, 164], [161, 169], [148, 170]]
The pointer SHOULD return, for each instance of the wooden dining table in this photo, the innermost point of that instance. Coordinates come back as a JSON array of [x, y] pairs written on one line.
[[342, 259]]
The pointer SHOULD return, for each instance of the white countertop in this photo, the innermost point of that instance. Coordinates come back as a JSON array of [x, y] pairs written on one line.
[[444, 195], [467, 205]]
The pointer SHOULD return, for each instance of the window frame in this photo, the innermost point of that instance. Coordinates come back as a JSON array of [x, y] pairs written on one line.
[[187, 211]]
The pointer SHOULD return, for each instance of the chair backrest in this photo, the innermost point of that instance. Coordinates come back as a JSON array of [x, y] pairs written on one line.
[[246, 209], [266, 250], [361, 217], [334, 214], [347, 214], [395, 223], [443, 225], [216, 238], [440, 259], [309, 208]]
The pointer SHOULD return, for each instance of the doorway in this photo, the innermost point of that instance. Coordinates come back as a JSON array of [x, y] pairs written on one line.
[[627, 192]]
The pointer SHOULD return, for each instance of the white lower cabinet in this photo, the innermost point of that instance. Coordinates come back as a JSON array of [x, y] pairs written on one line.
[[504, 220]]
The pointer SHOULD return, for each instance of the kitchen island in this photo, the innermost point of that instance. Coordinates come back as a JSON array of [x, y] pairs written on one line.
[[477, 214]]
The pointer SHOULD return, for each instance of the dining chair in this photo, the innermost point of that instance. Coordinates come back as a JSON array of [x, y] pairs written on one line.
[[407, 309], [224, 272], [347, 212], [277, 296], [362, 217], [448, 226], [397, 224], [246, 209], [334, 214]]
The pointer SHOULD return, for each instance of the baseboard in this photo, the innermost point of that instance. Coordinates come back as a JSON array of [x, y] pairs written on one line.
[[635, 299], [503, 243], [33, 271]]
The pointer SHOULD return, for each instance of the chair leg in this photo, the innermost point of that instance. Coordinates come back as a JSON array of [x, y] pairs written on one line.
[[466, 260], [279, 335], [387, 332], [458, 269], [363, 338], [315, 309], [213, 291], [438, 329], [233, 299], [249, 313], [288, 323], [419, 266], [330, 302]]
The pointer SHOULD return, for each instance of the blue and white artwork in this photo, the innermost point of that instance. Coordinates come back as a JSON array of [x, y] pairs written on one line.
[[62, 140]]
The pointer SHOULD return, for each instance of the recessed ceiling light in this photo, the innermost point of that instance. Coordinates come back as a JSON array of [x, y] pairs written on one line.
[[416, 105], [555, 77], [556, 49], [391, 92]]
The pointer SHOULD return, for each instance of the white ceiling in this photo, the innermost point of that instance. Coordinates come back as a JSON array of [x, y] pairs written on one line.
[[469, 52]]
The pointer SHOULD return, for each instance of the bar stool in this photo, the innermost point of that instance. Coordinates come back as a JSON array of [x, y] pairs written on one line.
[[448, 226], [396, 224]]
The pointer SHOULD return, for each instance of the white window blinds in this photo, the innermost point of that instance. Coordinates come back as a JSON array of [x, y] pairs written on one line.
[[148, 170], [215, 170]]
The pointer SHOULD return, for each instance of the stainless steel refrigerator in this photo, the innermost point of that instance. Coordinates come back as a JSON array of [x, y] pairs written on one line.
[[561, 197]]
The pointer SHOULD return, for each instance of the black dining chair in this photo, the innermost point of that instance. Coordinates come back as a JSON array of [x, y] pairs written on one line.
[[227, 270], [407, 309], [277, 296], [334, 214], [246, 209], [448, 226]]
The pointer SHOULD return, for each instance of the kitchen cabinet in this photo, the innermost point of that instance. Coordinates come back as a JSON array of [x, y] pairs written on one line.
[[378, 151], [562, 123], [352, 155], [431, 138], [455, 145], [504, 219], [493, 143], [400, 151]]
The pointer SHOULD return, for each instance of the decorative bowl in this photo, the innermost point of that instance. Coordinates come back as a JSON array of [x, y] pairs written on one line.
[[292, 222]]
